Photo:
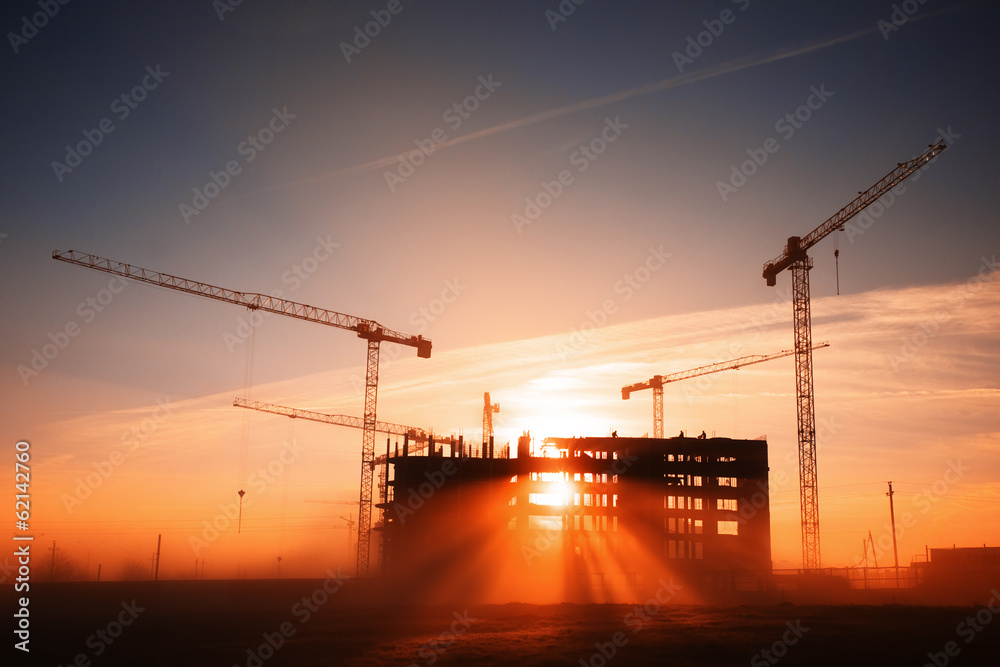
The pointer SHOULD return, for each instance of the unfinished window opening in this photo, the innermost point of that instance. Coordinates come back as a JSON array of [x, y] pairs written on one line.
[[729, 528]]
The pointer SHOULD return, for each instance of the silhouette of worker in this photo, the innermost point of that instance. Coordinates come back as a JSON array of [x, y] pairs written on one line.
[[614, 434], [702, 436]]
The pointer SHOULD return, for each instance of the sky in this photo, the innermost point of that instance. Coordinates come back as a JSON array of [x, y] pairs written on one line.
[[564, 200]]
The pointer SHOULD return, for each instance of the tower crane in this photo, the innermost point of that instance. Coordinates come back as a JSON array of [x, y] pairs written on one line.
[[795, 258], [489, 409], [419, 437], [369, 330], [657, 381]]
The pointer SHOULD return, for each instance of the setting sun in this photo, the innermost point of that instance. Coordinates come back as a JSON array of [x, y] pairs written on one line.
[[558, 491]]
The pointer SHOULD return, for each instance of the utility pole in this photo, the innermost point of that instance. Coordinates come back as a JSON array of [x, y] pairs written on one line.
[[892, 518], [52, 566], [156, 571], [864, 545]]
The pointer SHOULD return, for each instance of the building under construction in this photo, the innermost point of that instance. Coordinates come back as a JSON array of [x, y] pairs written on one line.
[[579, 517]]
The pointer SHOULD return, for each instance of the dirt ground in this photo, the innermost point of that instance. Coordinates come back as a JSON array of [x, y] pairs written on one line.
[[311, 622]]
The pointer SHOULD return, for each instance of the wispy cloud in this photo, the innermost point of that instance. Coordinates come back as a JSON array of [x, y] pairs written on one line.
[[728, 67]]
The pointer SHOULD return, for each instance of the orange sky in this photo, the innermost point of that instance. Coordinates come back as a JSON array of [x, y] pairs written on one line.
[[907, 392]]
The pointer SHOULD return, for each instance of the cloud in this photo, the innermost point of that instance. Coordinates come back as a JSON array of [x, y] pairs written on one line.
[[728, 67]]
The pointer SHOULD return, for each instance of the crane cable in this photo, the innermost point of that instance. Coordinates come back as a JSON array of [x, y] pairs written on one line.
[[245, 431], [736, 399], [285, 475], [836, 256]]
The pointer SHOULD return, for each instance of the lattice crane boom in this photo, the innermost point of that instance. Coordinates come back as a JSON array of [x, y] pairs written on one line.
[[797, 247], [795, 258], [367, 329], [371, 331], [418, 437], [415, 434], [657, 381]]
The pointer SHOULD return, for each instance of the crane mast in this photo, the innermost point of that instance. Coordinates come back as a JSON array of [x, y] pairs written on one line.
[[795, 258], [657, 381], [419, 437], [489, 409], [369, 330]]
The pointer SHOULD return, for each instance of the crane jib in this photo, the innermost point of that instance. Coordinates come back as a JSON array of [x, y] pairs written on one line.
[[367, 329], [796, 247]]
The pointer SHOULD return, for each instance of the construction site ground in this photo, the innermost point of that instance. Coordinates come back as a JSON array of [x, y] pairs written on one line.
[[254, 623]]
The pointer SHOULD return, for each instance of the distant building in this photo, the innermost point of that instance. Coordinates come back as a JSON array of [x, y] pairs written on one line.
[[580, 516], [964, 559], [962, 575], [958, 566]]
